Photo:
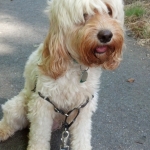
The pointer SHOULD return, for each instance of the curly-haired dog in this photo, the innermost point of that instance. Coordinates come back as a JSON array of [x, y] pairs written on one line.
[[84, 36]]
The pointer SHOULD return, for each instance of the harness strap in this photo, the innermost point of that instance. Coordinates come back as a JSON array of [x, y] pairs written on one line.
[[66, 124]]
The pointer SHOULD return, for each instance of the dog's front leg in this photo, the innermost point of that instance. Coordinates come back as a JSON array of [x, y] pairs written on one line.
[[41, 116], [81, 130]]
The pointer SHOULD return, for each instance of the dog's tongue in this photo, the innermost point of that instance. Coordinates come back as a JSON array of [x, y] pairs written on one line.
[[101, 49]]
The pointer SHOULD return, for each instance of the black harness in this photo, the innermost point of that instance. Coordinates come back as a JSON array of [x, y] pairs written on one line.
[[66, 124]]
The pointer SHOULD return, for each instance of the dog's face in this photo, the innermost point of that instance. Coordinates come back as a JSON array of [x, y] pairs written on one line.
[[98, 41], [90, 31]]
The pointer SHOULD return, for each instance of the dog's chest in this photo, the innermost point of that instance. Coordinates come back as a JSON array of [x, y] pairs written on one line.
[[68, 91]]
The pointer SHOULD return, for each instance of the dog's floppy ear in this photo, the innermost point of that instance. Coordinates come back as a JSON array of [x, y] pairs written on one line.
[[54, 56]]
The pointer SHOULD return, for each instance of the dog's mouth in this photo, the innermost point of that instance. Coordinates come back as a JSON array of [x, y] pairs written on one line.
[[101, 49]]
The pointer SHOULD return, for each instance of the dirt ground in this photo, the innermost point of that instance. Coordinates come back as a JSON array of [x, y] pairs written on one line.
[[131, 1]]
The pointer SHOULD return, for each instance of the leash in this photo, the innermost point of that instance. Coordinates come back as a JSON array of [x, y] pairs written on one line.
[[65, 133]]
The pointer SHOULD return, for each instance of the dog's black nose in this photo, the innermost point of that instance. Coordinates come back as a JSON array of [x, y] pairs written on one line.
[[104, 36]]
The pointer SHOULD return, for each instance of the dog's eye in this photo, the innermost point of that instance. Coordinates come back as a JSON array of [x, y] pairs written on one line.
[[109, 10], [86, 16]]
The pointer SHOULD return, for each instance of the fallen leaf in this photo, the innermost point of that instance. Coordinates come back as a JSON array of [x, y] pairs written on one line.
[[131, 80], [141, 140]]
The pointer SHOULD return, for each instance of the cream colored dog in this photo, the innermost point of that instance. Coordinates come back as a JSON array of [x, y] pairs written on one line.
[[84, 36]]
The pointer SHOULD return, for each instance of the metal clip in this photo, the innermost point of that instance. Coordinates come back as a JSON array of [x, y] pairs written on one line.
[[64, 139]]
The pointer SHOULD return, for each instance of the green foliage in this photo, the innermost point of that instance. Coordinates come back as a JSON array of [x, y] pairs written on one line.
[[135, 10]]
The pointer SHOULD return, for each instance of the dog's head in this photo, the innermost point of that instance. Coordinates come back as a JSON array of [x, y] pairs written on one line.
[[89, 31]]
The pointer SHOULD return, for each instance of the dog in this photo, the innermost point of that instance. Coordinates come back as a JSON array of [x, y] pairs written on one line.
[[62, 76]]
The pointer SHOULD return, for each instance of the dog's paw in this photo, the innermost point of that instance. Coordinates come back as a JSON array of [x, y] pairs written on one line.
[[5, 132], [39, 147], [82, 146]]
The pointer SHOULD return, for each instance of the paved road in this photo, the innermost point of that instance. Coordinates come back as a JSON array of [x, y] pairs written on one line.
[[122, 121]]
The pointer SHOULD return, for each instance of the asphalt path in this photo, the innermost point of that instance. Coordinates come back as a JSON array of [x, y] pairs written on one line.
[[122, 120]]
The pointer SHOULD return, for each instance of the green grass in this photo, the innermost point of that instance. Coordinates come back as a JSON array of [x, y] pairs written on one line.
[[136, 10], [137, 20]]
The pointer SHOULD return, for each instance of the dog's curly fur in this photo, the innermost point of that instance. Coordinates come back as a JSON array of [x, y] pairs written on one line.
[[75, 41]]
